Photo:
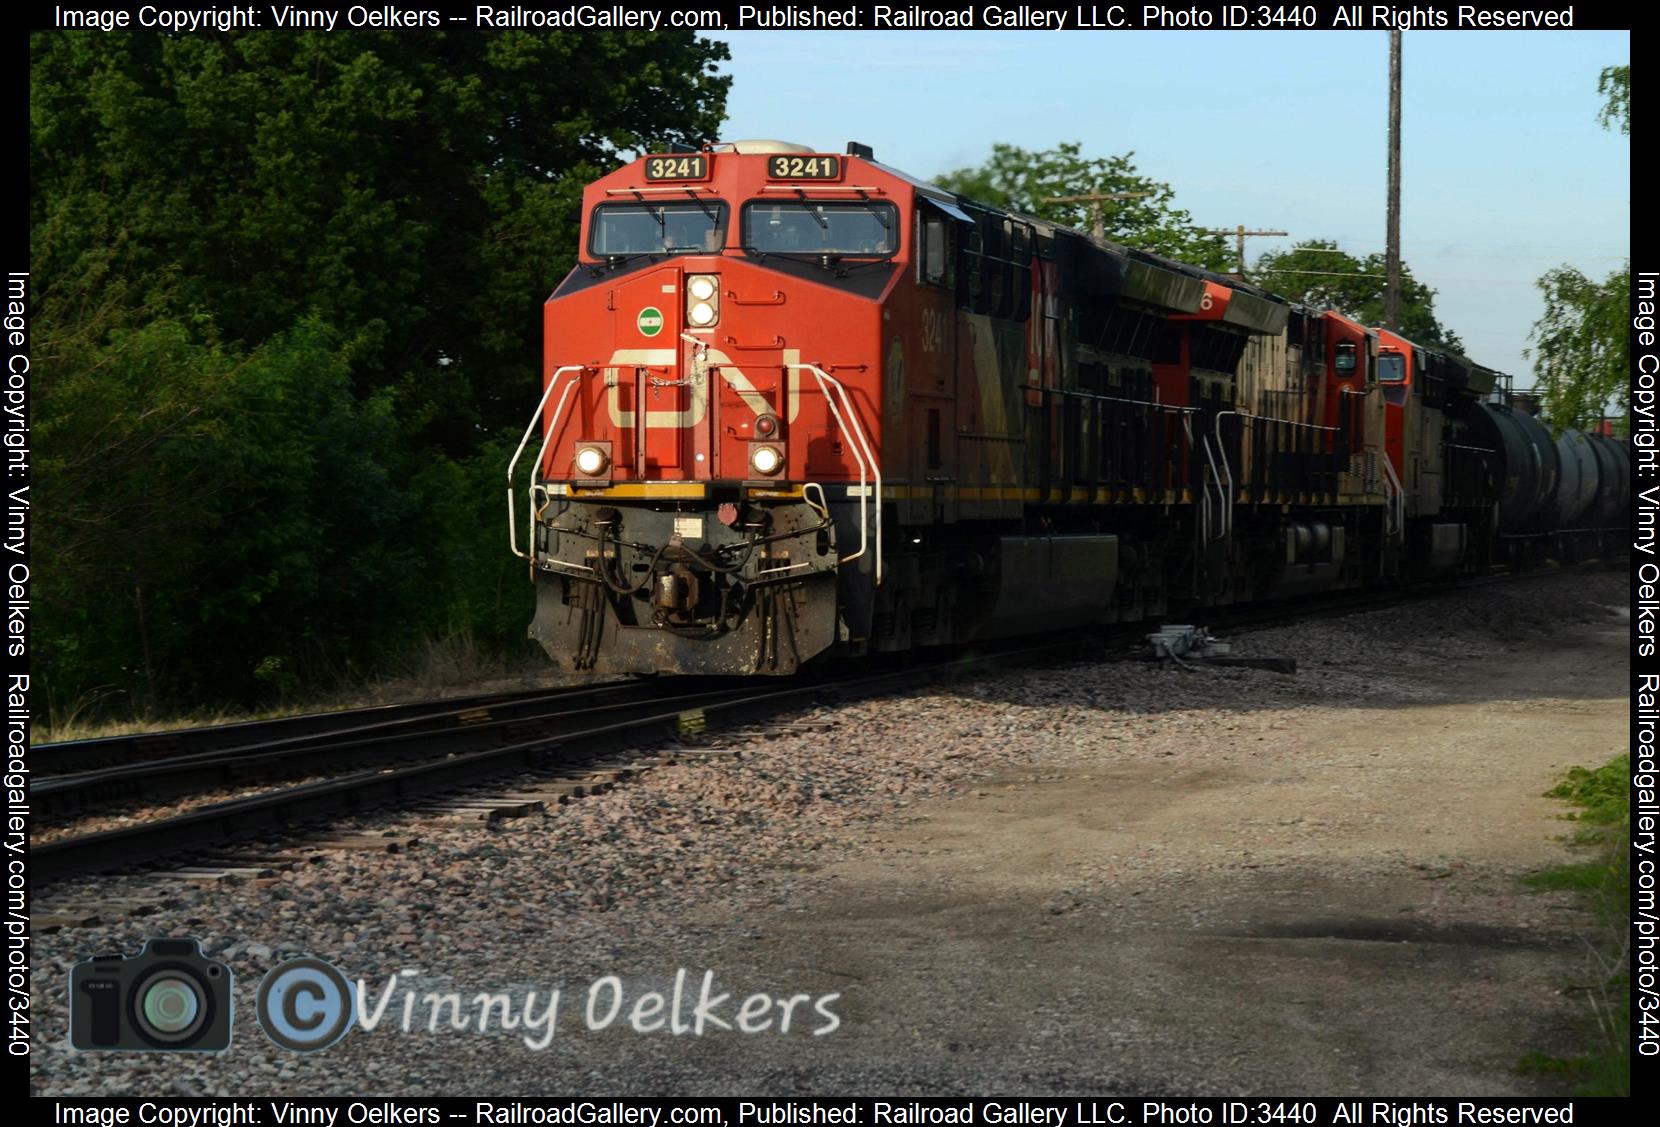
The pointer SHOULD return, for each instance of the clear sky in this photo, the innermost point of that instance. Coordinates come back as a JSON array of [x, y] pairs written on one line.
[[1505, 171]]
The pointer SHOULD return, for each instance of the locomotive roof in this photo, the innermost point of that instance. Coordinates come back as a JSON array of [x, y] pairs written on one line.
[[1126, 270]]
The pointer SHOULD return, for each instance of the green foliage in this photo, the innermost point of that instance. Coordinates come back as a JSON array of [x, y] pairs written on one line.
[[295, 305], [1021, 180], [1580, 347], [1316, 272], [1602, 796], [416, 192], [1615, 85]]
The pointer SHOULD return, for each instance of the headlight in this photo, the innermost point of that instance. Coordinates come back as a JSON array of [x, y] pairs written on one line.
[[590, 460], [702, 300], [767, 460]]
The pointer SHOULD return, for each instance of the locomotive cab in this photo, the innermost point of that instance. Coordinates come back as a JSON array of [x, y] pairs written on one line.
[[707, 472]]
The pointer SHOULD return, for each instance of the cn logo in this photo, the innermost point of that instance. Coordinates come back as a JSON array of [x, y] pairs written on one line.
[[696, 403]]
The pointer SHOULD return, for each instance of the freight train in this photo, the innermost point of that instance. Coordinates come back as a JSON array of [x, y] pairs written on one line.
[[800, 405]]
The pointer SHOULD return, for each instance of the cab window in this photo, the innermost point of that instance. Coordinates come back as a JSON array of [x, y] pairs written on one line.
[[1391, 368], [847, 229], [657, 228], [1344, 361]]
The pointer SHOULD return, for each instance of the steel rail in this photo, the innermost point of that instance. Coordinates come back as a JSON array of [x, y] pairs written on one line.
[[69, 756], [397, 740]]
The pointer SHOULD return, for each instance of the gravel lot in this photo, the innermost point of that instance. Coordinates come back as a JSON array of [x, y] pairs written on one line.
[[1093, 878]]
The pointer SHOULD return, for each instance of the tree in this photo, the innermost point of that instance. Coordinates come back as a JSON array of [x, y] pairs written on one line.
[[1580, 347], [1615, 85], [293, 299], [1317, 273], [418, 193], [1020, 180]]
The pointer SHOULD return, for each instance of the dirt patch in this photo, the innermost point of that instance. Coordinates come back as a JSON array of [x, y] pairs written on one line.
[[1327, 906]]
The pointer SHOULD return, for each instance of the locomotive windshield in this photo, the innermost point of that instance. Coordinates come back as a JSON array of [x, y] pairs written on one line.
[[863, 229], [1391, 368], [657, 228]]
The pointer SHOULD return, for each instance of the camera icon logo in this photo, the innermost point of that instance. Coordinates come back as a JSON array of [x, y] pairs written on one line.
[[168, 998], [306, 1004]]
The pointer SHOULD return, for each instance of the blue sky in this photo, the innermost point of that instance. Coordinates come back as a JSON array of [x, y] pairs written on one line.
[[1505, 171]]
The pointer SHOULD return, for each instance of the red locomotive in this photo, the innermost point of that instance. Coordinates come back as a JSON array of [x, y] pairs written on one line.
[[799, 403]]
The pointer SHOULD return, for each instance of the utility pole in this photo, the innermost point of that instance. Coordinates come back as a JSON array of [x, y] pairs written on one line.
[[1392, 248], [1098, 222], [1240, 233]]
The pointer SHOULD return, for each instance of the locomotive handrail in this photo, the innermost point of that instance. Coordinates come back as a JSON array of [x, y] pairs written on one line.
[[1394, 497], [861, 452], [1225, 499], [680, 189], [1274, 419], [1227, 470], [512, 516], [822, 187], [1074, 393]]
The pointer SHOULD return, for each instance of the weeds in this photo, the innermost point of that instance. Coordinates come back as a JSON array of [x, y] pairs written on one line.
[[1604, 883]]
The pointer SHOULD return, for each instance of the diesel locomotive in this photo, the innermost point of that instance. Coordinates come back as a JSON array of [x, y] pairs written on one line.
[[799, 404]]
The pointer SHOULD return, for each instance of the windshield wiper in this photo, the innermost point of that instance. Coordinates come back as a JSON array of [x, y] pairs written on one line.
[[616, 260], [877, 210], [823, 223], [714, 216], [828, 260]]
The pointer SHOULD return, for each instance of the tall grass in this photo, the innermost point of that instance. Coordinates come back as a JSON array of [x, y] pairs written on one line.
[[1603, 881]]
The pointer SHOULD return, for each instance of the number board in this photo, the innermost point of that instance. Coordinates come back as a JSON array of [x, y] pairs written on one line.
[[804, 168], [678, 167]]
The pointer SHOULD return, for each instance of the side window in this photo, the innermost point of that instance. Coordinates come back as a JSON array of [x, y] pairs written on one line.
[[1021, 251], [993, 270], [970, 282], [935, 259]]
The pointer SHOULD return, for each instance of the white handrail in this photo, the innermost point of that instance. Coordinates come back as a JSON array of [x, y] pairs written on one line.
[[861, 452], [1227, 471], [1395, 496], [512, 516]]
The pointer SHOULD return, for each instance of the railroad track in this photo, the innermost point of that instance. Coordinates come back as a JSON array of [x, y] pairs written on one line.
[[583, 736], [71, 756], [353, 744], [554, 731]]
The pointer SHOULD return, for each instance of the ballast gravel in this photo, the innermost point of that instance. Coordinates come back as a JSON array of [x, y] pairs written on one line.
[[690, 867]]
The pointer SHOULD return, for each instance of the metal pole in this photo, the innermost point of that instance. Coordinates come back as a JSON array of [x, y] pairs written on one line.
[[1392, 267]]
